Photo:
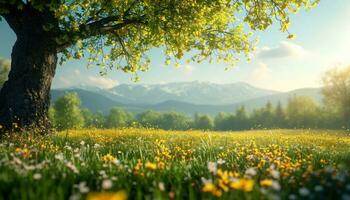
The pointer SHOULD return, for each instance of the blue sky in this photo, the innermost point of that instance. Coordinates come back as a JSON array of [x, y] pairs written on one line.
[[323, 42]]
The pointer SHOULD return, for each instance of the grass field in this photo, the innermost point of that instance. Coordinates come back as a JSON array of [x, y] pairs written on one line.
[[155, 164]]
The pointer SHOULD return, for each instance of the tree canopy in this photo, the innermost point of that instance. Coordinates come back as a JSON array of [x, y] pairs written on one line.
[[119, 33], [4, 70]]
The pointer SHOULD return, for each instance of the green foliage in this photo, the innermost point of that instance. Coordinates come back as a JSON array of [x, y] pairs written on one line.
[[67, 113], [4, 70], [93, 120], [336, 92], [119, 34], [302, 112], [118, 118], [203, 122]]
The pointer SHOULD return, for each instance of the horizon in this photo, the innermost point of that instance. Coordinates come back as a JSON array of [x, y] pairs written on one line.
[[83, 86], [278, 64]]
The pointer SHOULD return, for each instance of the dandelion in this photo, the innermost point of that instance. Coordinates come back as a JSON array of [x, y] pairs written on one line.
[[266, 183], [151, 166], [121, 195], [245, 185], [108, 157]]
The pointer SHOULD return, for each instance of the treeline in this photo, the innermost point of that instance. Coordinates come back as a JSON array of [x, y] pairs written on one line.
[[300, 112]]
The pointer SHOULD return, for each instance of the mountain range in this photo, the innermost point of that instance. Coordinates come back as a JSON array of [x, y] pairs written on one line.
[[185, 97]]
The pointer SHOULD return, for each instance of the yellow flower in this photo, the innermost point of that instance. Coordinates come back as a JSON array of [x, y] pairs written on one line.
[[121, 195], [151, 166], [209, 187], [108, 157], [266, 183], [245, 185]]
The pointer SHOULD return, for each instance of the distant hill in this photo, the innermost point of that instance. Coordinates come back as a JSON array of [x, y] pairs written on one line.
[[191, 92], [104, 100]]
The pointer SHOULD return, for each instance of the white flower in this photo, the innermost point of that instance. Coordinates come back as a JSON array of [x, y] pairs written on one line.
[[72, 167], [212, 167], [275, 174], [221, 161], [250, 171], [276, 186], [206, 181], [304, 191], [161, 186], [107, 184], [59, 157], [96, 146], [83, 188], [82, 143], [37, 176]]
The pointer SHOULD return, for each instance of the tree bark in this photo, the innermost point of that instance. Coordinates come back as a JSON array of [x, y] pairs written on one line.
[[25, 97]]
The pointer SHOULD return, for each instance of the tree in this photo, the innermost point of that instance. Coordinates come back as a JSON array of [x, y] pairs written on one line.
[[118, 118], [174, 121], [67, 113], [279, 116], [120, 34], [4, 70], [149, 119], [302, 112], [336, 92], [93, 120], [203, 122]]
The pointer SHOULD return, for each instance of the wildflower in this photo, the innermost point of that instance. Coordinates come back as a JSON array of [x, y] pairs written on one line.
[[161, 186], [250, 172], [72, 167], [151, 166], [304, 191], [107, 184], [83, 188], [121, 195], [245, 185], [221, 161], [209, 187], [266, 183], [212, 167], [82, 143], [37, 176], [59, 156], [108, 157]]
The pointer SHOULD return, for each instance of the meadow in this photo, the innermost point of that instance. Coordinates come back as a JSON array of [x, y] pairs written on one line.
[[155, 164]]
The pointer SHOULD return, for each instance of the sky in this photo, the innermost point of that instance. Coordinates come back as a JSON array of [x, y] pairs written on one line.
[[322, 43]]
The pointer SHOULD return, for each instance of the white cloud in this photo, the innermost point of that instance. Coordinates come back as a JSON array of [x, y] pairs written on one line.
[[262, 71], [187, 69], [76, 78], [102, 82], [283, 50]]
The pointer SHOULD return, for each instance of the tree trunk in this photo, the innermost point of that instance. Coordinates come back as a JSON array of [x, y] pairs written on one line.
[[25, 97]]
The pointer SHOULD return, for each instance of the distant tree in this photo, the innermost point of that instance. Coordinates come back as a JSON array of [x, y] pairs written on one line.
[[174, 121], [240, 121], [118, 118], [67, 112], [4, 70], [149, 119], [203, 122], [302, 112], [221, 121], [336, 92], [279, 116], [93, 120]]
